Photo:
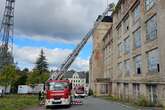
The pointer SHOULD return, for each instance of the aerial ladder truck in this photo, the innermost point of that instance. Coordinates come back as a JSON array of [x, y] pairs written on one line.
[[58, 91]]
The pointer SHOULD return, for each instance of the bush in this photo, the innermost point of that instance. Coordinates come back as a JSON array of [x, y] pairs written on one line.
[[142, 101]]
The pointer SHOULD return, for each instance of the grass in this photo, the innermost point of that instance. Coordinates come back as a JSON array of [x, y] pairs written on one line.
[[18, 102], [138, 104]]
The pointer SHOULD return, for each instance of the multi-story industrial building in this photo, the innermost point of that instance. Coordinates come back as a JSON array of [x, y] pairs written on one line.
[[133, 51], [138, 50], [98, 83]]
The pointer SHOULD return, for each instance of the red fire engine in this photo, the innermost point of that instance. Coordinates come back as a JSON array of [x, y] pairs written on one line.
[[58, 92]]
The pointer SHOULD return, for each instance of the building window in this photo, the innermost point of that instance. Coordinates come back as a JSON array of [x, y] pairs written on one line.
[[149, 4], [120, 67], [127, 67], [126, 90], [153, 61], [126, 24], [136, 91], [119, 31], [163, 92], [136, 13], [137, 38], [152, 93], [104, 89], [120, 49], [138, 64], [151, 28], [127, 45], [119, 90]]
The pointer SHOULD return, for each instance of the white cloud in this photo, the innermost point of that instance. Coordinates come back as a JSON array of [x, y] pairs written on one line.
[[65, 20], [26, 57], [62, 20]]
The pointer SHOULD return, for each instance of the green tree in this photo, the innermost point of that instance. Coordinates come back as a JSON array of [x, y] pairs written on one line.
[[8, 76], [35, 77], [40, 73], [41, 63], [22, 76]]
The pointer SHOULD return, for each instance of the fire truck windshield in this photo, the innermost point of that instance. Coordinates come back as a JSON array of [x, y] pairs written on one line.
[[57, 86]]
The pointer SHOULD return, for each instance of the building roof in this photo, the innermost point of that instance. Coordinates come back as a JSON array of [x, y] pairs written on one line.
[[82, 74], [69, 74], [105, 19]]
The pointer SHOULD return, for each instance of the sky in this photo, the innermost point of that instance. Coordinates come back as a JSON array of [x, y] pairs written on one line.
[[56, 26]]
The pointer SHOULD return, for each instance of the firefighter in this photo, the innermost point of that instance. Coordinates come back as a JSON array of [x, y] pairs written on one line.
[[41, 97]]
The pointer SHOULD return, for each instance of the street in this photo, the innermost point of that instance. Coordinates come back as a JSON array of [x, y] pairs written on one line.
[[91, 103]]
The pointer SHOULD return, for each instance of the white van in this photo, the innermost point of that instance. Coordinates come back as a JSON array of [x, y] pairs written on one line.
[[24, 89]]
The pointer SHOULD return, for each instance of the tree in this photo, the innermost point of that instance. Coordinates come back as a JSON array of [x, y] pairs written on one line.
[[40, 73], [41, 63], [21, 79], [25, 70], [8, 76], [35, 77]]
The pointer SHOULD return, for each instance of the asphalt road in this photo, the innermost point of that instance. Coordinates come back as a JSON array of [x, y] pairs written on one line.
[[91, 103]]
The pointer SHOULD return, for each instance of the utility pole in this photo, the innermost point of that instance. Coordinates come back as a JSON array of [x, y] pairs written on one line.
[[6, 34]]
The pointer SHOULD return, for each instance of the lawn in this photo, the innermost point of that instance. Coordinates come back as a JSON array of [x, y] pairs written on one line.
[[18, 102]]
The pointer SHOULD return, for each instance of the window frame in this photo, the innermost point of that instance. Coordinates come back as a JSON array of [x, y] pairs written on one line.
[[149, 5], [136, 90], [127, 66], [151, 28], [137, 36], [138, 64], [127, 45], [153, 67], [137, 8], [126, 24], [120, 49]]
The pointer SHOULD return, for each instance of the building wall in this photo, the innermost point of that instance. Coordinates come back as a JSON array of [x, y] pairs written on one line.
[[96, 62], [108, 54], [102, 89], [138, 65]]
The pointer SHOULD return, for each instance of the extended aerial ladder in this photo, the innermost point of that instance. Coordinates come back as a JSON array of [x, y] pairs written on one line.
[[70, 59]]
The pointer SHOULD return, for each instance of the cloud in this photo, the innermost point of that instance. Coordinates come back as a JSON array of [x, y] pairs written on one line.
[[53, 20], [65, 20], [26, 57]]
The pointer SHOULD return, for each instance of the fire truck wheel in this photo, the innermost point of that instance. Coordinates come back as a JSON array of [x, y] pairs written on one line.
[[47, 107]]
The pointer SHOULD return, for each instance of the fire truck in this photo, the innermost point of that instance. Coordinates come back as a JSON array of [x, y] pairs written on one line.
[[79, 91], [58, 92]]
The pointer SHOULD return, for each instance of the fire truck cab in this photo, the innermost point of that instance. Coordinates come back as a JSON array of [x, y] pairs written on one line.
[[58, 92], [79, 92]]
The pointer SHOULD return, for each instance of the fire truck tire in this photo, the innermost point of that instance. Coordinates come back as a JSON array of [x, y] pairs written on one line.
[[47, 107], [70, 103]]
